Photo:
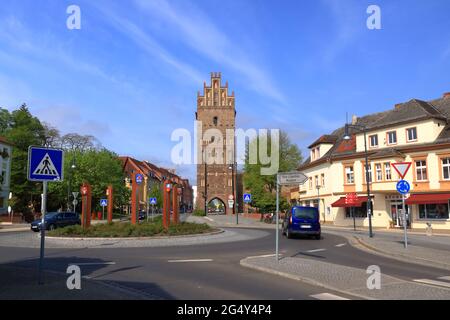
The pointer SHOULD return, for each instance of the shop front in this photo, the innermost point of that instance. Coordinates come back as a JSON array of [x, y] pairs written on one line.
[[430, 209], [355, 210], [394, 204]]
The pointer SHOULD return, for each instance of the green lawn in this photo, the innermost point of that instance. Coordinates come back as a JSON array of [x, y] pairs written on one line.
[[126, 229]]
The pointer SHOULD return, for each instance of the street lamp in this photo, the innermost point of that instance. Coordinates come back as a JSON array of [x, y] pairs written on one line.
[[347, 137], [72, 167], [318, 201]]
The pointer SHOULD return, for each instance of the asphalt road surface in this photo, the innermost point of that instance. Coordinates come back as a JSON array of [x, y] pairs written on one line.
[[212, 271]]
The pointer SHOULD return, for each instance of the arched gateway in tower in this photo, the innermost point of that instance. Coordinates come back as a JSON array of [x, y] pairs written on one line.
[[216, 170]]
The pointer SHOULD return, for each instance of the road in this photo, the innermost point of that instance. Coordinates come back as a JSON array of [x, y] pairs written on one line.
[[174, 273]]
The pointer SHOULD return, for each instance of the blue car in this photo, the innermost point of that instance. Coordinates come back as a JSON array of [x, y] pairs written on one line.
[[302, 221], [55, 220]]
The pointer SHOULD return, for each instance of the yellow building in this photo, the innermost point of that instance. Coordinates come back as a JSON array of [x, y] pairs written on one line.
[[417, 132]]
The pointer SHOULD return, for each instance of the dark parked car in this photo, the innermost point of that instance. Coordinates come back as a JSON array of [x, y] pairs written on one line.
[[302, 221], [55, 220]]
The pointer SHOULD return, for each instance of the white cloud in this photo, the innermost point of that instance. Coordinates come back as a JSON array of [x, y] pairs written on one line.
[[196, 30]]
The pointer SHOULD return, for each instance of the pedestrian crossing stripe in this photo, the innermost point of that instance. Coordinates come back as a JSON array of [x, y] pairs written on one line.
[[46, 168]]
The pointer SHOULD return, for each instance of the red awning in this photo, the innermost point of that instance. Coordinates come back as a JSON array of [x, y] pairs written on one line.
[[341, 202], [431, 198]]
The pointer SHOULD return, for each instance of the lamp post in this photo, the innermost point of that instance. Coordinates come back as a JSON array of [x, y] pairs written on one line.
[[318, 201], [347, 137], [72, 167]]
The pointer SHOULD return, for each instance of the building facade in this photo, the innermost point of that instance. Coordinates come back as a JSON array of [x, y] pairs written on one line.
[[5, 175], [155, 176], [216, 172], [415, 131]]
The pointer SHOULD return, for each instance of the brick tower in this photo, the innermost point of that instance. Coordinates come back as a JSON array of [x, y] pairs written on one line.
[[216, 117]]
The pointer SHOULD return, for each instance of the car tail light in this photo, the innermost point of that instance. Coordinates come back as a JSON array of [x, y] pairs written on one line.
[[290, 220]]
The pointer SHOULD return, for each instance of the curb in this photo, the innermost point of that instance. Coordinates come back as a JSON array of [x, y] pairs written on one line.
[[310, 281], [390, 231], [358, 243], [139, 238]]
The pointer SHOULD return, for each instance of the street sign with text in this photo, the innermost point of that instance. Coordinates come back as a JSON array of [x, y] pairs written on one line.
[[230, 204], [351, 199], [291, 178]]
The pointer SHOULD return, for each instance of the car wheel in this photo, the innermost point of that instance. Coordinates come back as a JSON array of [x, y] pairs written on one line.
[[51, 227], [318, 237], [288, 234]]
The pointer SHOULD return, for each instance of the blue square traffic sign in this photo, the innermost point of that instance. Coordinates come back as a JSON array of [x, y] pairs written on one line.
[[45, 164], [247, 198], [104, 202]]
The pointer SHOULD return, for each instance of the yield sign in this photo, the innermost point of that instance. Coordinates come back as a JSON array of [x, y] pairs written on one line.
[[402, 168]]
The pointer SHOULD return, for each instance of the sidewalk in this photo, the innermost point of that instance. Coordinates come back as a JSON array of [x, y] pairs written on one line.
[[21, 284], [347, 280], [444, 233], [6, 227]]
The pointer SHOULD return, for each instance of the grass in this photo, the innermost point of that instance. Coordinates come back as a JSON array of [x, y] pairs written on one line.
[[126, 229], [199, 213]]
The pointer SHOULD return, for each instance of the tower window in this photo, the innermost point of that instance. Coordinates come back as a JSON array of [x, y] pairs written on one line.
[[215, 120], [216, 99]]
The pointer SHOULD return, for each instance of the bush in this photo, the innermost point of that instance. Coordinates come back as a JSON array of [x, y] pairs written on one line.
[[126, 229], [199, 213]]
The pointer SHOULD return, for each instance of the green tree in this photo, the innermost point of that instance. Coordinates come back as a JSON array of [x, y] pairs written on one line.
[[22, 130], [99, 168], [263, 187], [157, 192]]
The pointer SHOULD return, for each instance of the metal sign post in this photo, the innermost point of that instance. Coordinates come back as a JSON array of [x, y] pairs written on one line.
[[403, 187], [285, 179], [44, 164]]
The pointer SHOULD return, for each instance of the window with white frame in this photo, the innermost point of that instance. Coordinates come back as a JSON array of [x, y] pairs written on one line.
[[421, 170], [446, 168], [316, 178], [387, 171], [310, 183], [349, 175], [373, 141], [392, 137], [322, 178], [411, 134], [379, 172], [369, 172]]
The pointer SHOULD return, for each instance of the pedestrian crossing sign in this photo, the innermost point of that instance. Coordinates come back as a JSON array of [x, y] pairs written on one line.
[[45, 164], [247, 198]]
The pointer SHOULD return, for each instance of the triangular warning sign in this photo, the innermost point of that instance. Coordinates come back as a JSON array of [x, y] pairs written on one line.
[[46, 168], [402, 168]]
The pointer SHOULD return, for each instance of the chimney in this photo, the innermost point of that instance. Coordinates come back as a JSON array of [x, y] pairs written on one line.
[[354, 119], [446, 95]]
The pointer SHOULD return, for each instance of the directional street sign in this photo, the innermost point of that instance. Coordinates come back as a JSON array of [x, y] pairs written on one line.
[[153, 201], [45, 164], [139, 178], [403, 187], [402, 168], [247, 198], [104, 202], [291, 178]]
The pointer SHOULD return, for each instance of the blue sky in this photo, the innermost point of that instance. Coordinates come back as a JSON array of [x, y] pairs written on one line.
[[130, 76]]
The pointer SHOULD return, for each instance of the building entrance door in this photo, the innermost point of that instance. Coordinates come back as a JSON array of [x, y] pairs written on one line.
[[397, 214]]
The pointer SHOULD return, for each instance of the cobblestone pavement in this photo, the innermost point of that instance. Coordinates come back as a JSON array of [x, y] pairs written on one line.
[[345, 279], [423, 250]]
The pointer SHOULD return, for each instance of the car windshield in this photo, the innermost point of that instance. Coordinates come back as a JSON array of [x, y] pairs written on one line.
[[305, 213], [51, 215]]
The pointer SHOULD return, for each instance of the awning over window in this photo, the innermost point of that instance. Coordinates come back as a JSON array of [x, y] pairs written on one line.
[[341, 202], [428, 198]]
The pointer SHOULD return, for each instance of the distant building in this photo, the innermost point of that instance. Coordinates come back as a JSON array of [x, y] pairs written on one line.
[[154, 175], [5, 175]]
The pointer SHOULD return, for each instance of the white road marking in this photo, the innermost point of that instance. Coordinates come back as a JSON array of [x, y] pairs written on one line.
[[208, 218], [191, 260], [315, 250], [263, 256], [91, 263], [327, 296], [433, 282], [445, 278], [341, 245]]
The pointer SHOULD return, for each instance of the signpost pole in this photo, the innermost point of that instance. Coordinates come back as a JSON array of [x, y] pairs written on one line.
[[103, 213], [43, 209], [354, 219], [277, 220], [404, 221]]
